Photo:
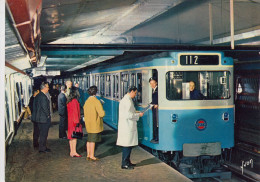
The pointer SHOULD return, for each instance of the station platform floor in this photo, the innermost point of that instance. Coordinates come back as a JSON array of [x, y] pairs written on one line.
[[25, 164]]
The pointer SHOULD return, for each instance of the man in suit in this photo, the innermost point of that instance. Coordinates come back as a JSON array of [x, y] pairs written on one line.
[[194, 93], [127, 127], [41, 115], [62, 108], [153, 85]]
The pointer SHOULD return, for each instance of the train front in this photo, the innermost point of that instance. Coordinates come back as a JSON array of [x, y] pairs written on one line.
[[196, 107]]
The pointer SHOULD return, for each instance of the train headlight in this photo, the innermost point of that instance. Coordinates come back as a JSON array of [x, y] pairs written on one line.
[[174, 118], [225, 116]]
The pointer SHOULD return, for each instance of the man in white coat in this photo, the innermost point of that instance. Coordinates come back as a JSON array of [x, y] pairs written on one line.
[[127, 127]]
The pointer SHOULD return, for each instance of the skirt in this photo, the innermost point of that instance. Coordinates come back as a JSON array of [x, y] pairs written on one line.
[[94, 137]]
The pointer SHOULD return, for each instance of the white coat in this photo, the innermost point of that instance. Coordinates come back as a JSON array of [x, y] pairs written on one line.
[[127, 123]]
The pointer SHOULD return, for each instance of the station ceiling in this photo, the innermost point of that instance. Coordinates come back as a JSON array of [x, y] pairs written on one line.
[[72, 34]]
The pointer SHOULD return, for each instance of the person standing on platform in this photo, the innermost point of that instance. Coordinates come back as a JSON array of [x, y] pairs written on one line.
[[62, 108], [42, 116], [35, 125], [68, 85], [73, 109], [127, 127], [153, 85], [93, 115], [81, 95]]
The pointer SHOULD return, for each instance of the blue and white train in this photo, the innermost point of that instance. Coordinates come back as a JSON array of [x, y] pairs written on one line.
[[194, 135]]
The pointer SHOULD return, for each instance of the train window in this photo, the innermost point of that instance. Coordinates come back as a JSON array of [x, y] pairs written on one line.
[[116, 86], [108, 86], [124, 84], [133, 79], [88, 82], [82, 83], [209, 85], [97, 83], [7, 112], [102, 85], [139, 87], [248, 89], [18, 99], [93, 82]]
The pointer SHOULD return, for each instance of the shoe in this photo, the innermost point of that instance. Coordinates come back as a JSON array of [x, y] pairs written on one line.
[[88, 158], [94, 160], [76, 156], [45, 151], [127, 167], [154, 141], [131, 164]]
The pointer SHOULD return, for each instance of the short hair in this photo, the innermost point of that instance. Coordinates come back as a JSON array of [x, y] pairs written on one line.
[[63, 88], [92, 90], [43, 85], [193, 82], [152, 78], [132, 88], [68, 81]]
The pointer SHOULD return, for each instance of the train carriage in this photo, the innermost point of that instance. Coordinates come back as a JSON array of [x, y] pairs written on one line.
[[188, 129]]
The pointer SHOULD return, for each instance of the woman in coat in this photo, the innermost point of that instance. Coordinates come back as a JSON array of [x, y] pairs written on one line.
[[93, 116], [127, 127], [73, 120]]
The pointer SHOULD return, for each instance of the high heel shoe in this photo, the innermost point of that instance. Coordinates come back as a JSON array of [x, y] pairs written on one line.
[[94, 160], [76, 156], [88, 158]]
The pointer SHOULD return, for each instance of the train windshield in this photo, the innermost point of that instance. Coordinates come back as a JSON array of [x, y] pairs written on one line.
[[197, 85]]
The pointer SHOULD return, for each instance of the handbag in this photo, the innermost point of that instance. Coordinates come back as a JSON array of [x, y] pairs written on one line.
[[77, 133]]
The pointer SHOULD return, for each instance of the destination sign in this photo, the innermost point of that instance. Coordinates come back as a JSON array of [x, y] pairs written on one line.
[[199, 59]]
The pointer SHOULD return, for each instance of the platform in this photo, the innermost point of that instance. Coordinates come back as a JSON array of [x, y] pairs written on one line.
[[24, 164]]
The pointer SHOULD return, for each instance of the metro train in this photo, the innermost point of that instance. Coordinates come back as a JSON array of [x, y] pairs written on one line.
[[195, 136], [18, 90]]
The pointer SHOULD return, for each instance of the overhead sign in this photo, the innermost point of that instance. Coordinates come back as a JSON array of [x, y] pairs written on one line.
[[199, 60]]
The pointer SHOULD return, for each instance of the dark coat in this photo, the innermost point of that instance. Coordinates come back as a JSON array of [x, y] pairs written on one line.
[[62, 104], [196, 95], [155, 97], [41, 109], [31, 103]]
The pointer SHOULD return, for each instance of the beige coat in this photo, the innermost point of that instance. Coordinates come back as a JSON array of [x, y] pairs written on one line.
[[127, 123], [93, 115]]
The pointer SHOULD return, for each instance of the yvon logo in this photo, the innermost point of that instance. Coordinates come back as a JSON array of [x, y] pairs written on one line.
[[201, 124]]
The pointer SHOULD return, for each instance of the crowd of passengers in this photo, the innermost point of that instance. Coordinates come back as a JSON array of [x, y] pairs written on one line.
[[68, 100]]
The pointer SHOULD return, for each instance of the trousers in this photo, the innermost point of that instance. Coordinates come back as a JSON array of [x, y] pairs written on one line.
[[36, 134], [155, 124], [126, 152], [63, 126], [44, 130]]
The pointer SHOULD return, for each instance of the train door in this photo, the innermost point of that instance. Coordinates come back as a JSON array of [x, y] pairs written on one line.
[[155, 111], [146, 100]]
